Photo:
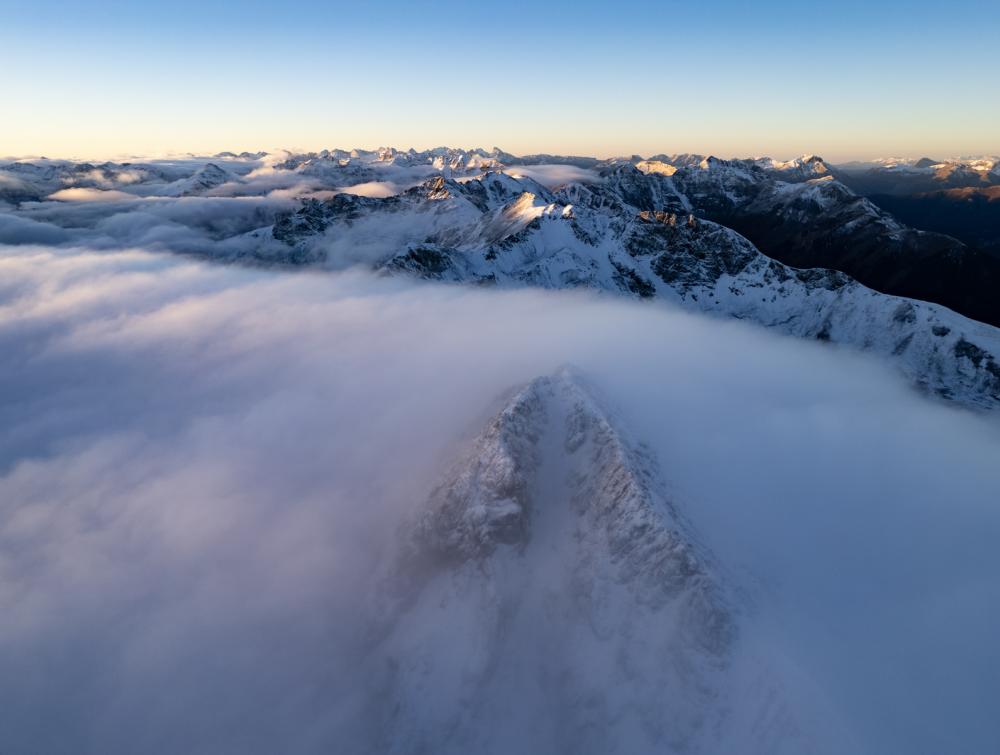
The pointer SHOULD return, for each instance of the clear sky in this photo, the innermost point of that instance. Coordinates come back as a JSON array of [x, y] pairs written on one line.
[[843, 79]]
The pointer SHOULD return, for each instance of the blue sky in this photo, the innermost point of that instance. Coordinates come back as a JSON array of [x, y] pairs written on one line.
[[842, 79]]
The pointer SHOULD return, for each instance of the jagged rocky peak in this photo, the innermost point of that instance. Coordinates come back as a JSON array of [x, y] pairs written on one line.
[[803, 168], [618, 168], [383, 154], [437, 188], [668, 218], [502, 187], [656, 167], [208, 177], [684, 159], [550, 584], [212, 173], [485, 499], [554, 455]]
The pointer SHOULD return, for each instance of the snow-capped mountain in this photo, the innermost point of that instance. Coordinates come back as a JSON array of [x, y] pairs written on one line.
[[798, 212], [551, 586], [206, 178], [807, 221], [499, 230], [899, 176]]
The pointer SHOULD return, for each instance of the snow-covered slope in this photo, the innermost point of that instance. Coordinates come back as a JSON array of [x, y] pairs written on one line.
[[206, 178], [550, 591], [500, 230]]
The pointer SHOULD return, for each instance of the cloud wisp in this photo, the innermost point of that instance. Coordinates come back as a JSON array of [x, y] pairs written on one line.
[[553, 176], [202, 206]]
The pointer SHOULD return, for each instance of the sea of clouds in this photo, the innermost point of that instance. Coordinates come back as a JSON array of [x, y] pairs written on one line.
[[201, 466], [153, 205]]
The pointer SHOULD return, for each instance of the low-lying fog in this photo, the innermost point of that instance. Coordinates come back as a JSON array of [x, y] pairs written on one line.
[[201, 465]]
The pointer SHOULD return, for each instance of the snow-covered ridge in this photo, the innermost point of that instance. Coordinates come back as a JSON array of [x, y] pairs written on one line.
[[496, 231], [550, 568], [488, 498]]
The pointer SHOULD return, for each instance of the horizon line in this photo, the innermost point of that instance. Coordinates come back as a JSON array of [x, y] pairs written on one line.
[[233, 153]]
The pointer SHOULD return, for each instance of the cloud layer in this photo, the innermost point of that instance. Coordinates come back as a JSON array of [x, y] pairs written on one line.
[[218, 206], [199, 467]]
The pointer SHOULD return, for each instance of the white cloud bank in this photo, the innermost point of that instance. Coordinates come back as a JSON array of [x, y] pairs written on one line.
[[199, 467], [552, 176], [82, 194]]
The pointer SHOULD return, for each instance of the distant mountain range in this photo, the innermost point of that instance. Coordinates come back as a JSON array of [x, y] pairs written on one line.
[[789, 245], [902, 177], [959, 197]]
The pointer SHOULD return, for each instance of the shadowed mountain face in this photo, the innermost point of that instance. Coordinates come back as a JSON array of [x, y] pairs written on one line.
[[971, 215], [820, 222], [919, 265], [903, 178], [960, 198]]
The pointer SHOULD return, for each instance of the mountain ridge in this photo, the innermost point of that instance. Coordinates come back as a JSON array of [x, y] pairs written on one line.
[[550, 540], [596, 236]]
